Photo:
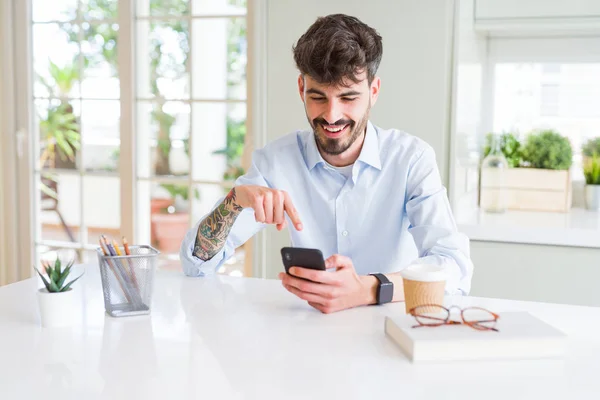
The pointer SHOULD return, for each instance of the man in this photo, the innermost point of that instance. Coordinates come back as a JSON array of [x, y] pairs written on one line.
[[363, 195]]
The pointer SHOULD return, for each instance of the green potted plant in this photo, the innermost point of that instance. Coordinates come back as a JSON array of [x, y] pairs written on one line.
[[548, 157], [510, 146], [548, 150], [58, 128], [55, 299], [591, 171], [60, 137], [541, 180]]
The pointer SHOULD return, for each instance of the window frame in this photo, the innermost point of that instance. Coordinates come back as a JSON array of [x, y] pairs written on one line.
[[19, 121]]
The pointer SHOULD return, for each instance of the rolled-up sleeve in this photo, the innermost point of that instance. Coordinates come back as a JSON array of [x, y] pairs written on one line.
[[244, 227], [432, 224]]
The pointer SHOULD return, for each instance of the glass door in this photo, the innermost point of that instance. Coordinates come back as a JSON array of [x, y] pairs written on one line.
[[184, 92], [76, 106], [191, 115]]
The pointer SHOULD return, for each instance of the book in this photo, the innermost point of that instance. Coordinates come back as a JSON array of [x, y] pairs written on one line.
[[520, 336]]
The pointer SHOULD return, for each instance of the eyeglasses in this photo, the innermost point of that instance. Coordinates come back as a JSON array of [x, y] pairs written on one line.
[[432, 315]]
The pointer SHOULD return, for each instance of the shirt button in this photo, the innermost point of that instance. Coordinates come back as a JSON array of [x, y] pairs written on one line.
[[345, 233]]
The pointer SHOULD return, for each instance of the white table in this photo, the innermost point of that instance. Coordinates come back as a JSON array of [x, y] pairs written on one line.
[[241, 338]]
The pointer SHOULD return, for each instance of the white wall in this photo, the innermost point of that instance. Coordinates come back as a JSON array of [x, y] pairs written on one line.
[[415, 73]]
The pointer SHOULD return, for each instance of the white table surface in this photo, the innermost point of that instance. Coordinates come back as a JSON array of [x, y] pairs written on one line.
[[242, 338]]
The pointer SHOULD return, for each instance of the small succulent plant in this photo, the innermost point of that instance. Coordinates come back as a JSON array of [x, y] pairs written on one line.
[[57, 276]]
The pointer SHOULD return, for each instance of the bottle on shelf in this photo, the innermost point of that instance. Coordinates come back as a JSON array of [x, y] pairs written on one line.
[[494, 168]]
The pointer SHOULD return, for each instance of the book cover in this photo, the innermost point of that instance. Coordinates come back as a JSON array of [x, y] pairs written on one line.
[[520, 336]]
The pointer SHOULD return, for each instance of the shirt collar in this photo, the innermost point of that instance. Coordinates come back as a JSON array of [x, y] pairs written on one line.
[[313, 157], [369, 153]]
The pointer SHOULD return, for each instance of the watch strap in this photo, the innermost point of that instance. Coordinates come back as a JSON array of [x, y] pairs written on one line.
[[384, 285], [381, 278]]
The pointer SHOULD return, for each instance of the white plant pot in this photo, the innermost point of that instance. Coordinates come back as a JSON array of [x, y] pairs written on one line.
[[56, 309], [592, 197]]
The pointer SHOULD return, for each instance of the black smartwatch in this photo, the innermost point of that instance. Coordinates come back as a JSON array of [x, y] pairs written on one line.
[[385, 290]]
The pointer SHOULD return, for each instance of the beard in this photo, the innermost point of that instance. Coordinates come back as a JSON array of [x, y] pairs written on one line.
[[336, 146]]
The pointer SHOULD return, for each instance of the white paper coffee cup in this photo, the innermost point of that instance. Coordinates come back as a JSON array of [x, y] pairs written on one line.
[[423, 284]]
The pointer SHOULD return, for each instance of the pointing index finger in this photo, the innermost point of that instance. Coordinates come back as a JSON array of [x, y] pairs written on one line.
[[291, 211]]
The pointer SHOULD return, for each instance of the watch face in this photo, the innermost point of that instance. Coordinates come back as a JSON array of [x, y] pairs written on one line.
[[386, 293]]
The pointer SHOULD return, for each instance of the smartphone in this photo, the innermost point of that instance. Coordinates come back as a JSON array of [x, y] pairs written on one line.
[[302, 257]]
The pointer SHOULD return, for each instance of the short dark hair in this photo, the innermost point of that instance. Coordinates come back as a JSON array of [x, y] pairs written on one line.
[[338, 47]]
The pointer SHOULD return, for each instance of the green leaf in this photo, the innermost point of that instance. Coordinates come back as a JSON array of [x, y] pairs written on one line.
[[65, 273], [53, 287], [591, 170], [54, 277], [72, 136], [47, 191], [63, 277], [68, 285], [64, 145], [74, 144], [43, 279]]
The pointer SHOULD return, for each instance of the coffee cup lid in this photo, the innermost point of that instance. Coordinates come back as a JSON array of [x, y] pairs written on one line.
[[424, 273]]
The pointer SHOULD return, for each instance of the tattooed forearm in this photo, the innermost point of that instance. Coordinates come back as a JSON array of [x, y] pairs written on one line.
[[214, 229]]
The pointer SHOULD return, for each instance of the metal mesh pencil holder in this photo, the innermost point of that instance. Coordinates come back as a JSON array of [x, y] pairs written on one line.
[[127, 281]]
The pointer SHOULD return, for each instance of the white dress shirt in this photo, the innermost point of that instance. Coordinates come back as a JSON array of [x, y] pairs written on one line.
[[390, 212]]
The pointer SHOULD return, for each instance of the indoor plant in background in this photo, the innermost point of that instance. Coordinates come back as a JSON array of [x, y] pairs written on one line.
[[56, 298], [547, 150], [545, 183], [170, 224], [542, 181], [59, 128], [591, 171], [170, 214], [509, 145], [590, 148]]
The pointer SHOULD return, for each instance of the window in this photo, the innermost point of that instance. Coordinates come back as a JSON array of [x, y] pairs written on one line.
[[561, 96], [189, 111], [76, 111]]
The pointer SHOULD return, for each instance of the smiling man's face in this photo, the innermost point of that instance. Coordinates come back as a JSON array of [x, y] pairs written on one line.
[[338, 114]]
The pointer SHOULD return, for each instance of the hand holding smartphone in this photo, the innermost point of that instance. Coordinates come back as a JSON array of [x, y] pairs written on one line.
[[302, 257]]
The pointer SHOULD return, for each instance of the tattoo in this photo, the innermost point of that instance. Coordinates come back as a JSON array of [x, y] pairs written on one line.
[[214, 229]]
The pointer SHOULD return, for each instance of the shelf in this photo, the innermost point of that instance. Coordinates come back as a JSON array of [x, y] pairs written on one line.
[[577, 228]]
